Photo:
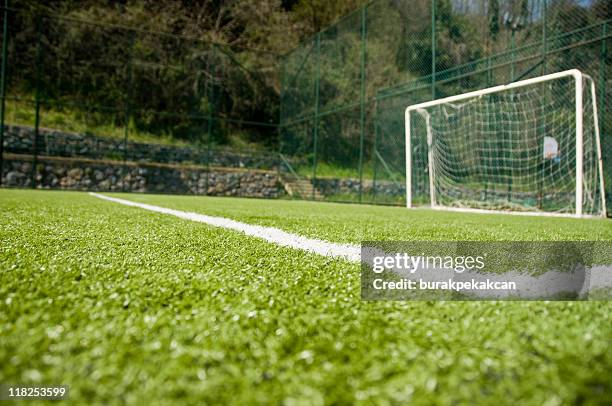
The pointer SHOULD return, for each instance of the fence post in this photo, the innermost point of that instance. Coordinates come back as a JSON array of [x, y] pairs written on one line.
[[602, 95], [37, 99], [3, 85], [316, 116], [279, 128], [544, 39], [280, 104], [433, 49], [602, 73], [375, 149], [362, 92], [211, 97], [127, 108]]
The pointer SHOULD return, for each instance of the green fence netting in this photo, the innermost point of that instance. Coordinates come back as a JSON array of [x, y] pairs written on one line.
[[345, 90], [110, 93], [118, 95]]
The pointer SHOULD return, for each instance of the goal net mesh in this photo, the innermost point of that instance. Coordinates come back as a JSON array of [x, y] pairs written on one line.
[[512, 150]]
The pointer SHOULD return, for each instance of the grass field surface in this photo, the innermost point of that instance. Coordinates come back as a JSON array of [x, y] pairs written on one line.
[[129, 306], [355, 223]]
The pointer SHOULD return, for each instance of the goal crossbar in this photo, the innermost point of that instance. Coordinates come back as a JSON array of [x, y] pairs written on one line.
[[578, 78]]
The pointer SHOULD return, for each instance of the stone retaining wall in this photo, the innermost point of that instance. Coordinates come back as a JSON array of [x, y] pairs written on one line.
[[343, 186], [74, 174], [88, 162], [20, 140]]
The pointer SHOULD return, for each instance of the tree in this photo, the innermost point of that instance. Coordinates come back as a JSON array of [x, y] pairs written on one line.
[[311, 16], [494, 18]]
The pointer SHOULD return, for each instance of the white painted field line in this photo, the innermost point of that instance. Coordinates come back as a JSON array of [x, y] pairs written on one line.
[[270, 234], [529, 286]]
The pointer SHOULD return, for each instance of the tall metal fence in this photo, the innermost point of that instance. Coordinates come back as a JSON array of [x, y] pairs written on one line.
[[83, 90], [344, 91]]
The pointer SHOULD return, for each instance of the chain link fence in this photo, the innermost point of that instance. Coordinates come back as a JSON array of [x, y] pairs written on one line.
[[133, 110], [345, 90], [152, 106]]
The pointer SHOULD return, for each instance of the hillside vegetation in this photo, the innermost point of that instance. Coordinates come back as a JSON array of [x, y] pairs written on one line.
[[178, 71]]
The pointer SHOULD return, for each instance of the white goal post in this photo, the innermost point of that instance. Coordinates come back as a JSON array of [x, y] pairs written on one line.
[[528, 147]]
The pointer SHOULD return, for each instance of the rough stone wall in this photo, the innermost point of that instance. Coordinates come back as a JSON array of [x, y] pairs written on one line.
[[89, 162], [20, 140], [105, 176], [343, 186]]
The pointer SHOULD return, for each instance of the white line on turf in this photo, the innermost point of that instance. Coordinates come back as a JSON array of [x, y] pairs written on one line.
[[270, 234], [531, 286]]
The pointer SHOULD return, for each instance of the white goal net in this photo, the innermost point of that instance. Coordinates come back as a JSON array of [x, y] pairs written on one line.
[[530, 146]]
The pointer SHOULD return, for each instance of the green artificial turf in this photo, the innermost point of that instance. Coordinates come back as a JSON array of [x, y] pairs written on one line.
[[355, 223], [129, 306]]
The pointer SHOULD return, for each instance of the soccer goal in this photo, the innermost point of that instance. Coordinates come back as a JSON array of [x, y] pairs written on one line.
[[528, 147]]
